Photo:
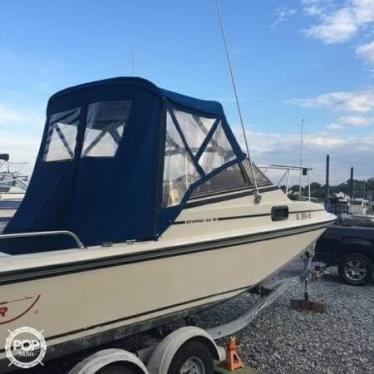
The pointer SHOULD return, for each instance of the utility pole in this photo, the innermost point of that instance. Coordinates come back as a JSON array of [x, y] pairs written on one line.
[[351, 184], [327, 179]]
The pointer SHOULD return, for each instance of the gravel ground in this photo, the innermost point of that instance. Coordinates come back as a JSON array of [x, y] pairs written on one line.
[[282, 340]]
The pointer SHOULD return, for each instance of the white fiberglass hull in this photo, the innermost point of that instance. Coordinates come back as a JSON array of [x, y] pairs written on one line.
[[76, 294]]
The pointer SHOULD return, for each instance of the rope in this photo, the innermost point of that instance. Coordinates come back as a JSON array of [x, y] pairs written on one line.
[[257, 196]]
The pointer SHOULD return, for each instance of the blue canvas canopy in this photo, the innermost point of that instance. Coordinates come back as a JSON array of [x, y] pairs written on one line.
[[118, 161]]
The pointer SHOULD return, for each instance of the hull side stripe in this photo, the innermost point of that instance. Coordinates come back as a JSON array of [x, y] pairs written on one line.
[[250, 216], [89, 265], [151, 312]]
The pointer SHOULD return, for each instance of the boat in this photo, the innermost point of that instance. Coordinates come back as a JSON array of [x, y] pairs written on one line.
[[8, 207], [142, 208], [13, 185], [360, 212], [351, 211]]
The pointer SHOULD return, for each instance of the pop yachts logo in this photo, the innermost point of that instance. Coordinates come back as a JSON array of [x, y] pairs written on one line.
[[25, 347], [14, 309]]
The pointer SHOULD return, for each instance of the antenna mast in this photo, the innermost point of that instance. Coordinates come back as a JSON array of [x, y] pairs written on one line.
[[301, 154], [257, 196]]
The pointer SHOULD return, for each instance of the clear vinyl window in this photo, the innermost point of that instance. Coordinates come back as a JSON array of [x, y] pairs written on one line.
[[194, 128], [189, 160], [106, 124], [218, 151], [179, 170], [62, 136]]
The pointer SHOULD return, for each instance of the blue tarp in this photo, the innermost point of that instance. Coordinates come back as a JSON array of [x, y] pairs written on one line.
[[105, 198]]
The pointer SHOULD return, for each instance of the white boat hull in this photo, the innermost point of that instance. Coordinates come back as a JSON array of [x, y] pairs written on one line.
[[108, 289]]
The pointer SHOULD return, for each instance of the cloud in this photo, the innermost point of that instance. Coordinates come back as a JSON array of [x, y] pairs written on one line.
[[21, 148], [283, 13], [337, 24], [314, 7], [10, 116], [278, 148], [350, 121], [366, 52], [20, 134], [353, 101]]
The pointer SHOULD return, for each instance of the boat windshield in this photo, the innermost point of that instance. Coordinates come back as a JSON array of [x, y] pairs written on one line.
[[261, 178], [195, 146], [230, 179]]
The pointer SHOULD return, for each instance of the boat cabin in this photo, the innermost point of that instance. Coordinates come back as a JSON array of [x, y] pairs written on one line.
[[119, 159]]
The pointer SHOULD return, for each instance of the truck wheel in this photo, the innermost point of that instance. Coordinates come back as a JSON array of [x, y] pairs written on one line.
[[355, 269], [119, 368], [192, 358]]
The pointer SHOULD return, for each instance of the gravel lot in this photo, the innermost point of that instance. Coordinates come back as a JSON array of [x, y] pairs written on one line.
[[282, 340]]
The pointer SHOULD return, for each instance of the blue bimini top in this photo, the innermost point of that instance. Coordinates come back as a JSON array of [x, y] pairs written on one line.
[[118, 161]]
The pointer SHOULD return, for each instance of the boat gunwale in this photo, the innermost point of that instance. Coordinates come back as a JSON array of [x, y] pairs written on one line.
[[23, 275]]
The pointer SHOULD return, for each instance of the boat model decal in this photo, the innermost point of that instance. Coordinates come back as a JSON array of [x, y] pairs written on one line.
[[124, 259], [198, 220], [14, 309]]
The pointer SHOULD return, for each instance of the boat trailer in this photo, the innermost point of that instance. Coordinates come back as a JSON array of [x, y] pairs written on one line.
[[191, 349]]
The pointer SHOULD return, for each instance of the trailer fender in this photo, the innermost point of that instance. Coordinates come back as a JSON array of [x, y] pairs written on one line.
[[164, 353], [92, 364]]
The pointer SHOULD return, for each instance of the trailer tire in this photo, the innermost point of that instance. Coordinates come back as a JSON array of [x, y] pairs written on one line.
[[355, 269], [110, 361], [193, 354], [118, 368]]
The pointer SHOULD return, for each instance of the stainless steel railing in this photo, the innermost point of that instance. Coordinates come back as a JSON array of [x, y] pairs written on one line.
[[44, 233]]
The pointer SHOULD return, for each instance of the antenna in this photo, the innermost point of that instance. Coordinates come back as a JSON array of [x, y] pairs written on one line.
[[301, 154], [257, 196]]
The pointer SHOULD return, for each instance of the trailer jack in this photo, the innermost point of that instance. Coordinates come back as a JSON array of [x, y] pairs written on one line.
[[307, 305]]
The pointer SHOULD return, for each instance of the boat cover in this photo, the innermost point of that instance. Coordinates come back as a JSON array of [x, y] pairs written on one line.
[[118, 161]]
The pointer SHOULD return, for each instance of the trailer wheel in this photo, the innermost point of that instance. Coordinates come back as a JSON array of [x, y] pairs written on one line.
[[355, 269], [194, 357], [119, 368]]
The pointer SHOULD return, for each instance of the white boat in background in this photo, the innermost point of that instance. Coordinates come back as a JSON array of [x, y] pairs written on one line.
[[352, 212], [187, 221], [361, 213], [13, 185], [9, 203]]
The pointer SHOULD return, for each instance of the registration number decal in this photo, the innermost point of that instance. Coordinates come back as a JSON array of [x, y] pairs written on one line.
[[303, 215]]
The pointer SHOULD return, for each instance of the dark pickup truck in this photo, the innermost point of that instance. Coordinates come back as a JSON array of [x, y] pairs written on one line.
[[349, 248]]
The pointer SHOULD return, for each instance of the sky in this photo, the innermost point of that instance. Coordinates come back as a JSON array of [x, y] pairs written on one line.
[[293, 60]]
